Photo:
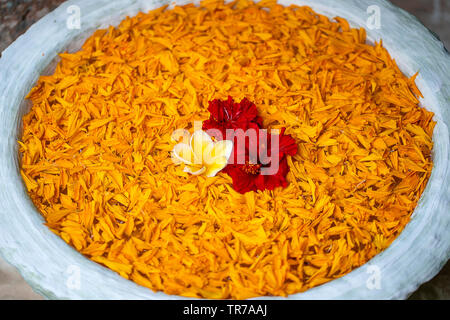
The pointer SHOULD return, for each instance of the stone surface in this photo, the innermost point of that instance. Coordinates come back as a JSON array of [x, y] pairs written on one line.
[[17, 16], [12, 285], [434, 14]]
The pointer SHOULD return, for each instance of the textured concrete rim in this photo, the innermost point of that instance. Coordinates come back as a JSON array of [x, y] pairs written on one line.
[[45, 260]]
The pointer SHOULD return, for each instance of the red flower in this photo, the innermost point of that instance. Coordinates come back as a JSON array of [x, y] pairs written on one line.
[[259, 174], [231, 115], [251, 167], [248, 177]]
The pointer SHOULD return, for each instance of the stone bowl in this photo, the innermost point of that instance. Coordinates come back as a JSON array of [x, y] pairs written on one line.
[[57, 271]]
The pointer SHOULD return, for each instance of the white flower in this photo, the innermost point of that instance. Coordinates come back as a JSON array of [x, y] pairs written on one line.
[[203, 155]]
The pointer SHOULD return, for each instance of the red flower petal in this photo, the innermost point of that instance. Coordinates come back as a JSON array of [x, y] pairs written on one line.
[[242, 182], [288, 146]]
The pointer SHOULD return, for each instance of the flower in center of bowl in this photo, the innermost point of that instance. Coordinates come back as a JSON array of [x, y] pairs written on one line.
[[203, 155]]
